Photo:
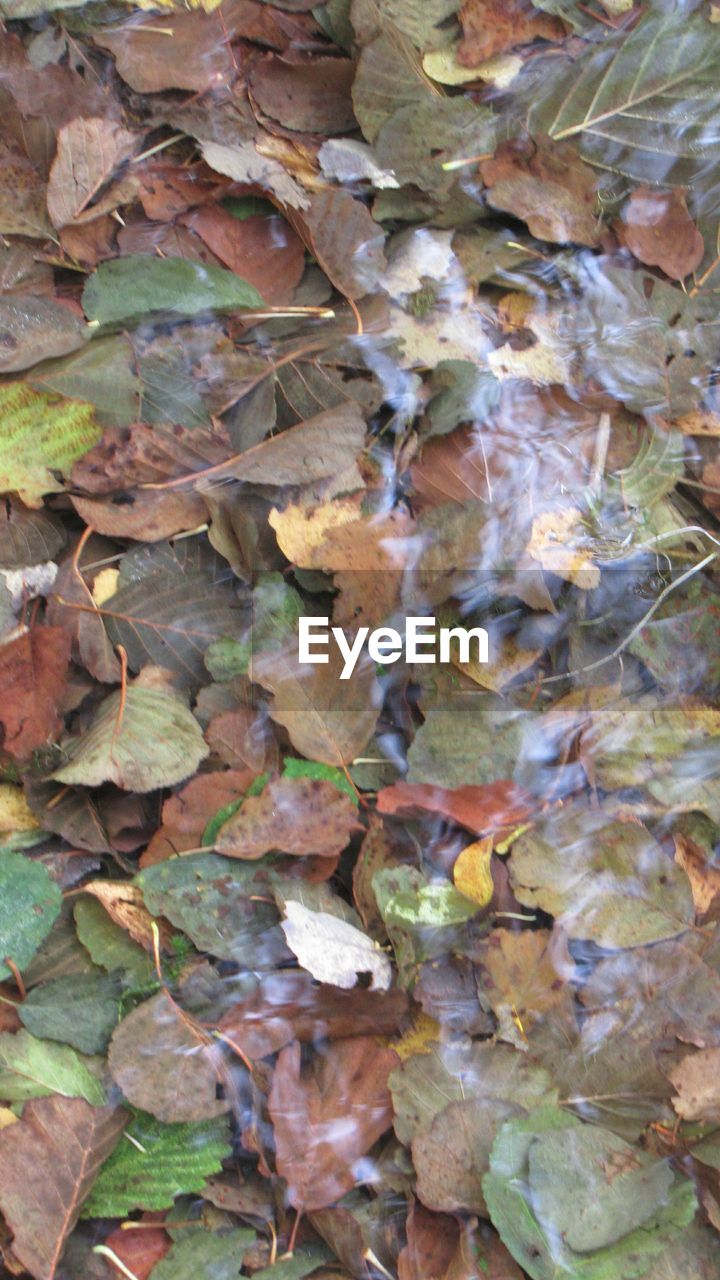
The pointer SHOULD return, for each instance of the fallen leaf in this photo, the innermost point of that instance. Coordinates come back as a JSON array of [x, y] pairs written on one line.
[[140, 1250], [479, 809], [88, 153], [547, 186], [33, 329], [41, 436], [472, 874], [327, 720], [185, 814], [30, 902], [264, 251], [292, 815], [332, 950], [696, 1080], [327, 1118], [147, 740], [312, 97], [659, 231], [49, 1163], [125, 907], [348, 245], [33, 678], [556, 542], [289, 1005], [164, 1066], [494, 26], [703, 876]]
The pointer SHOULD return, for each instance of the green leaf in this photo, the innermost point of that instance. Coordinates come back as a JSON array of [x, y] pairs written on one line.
[[212, 1254], [610, 882], [296, 768], [102, 373], [77, 1010], [157, 1163], [31, 1068], [461, 392], [407, 900], [39, 435], [110, 946], [655, 470], [209, 899], [555, 1182], [126, 289], [30, 902], [305, 1260], [276, 608], [153, 741], [643, 103]]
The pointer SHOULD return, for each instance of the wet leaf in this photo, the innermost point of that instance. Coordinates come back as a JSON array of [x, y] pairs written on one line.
[[327, 1118], [292, 815], [156, 1162], [607, 881], [126, 289], [220, 1252], [33, 678], [49, 1163], [79, 1011], [659, 231], [217, 903], [163, 1065], [490, 27], [624, 1205], [546, 186]]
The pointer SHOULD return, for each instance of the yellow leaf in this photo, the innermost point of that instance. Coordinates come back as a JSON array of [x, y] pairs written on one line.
[[105, 585], [471, 874], [424, 1031], [505, 665], [7, 1117], [15, 812], [554, 543]]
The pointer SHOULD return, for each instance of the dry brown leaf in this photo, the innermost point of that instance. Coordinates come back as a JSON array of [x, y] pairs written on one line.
[[22, 196], [328, 719], [704, 878], [264, 251], [346, 241], [125, 906], [291, 815], [88, 153], [242, 739], [432, 1242], [659, 231], [697, 1080], [186, 814], [493, 26], [33, 676], [164, 1065], [311, 97], [548, 186], [327, 1116], [146, 517], [48, 1163]]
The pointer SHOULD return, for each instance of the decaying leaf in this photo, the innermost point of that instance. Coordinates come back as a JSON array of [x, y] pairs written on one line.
[[49, 1163], [332, 950], [659, 231], [328, 1117]]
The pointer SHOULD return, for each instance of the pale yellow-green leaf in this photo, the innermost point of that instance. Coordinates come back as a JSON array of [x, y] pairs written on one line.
[[154, 741], [40, 435]]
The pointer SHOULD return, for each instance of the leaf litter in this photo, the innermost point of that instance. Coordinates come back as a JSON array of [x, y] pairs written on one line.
[[359, 311]]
